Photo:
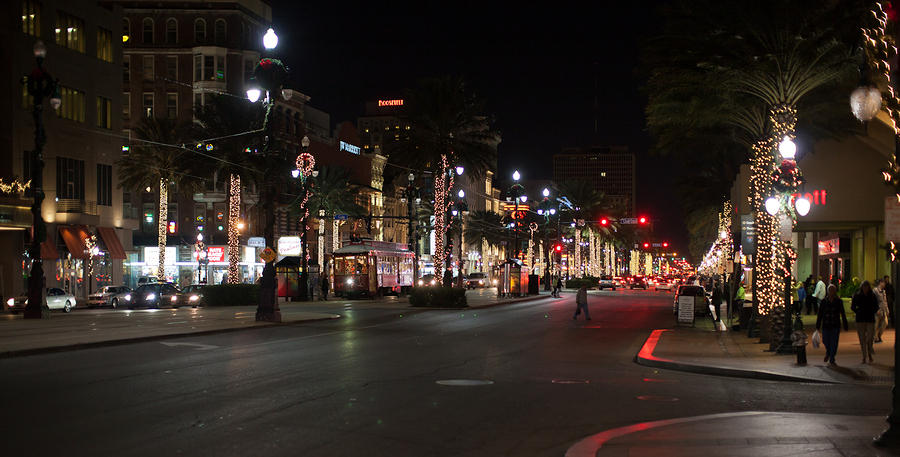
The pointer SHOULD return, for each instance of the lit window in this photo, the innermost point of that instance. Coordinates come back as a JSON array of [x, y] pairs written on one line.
[[148, 104], [72, 106], [69, 32], [104, 45], [31, 18]]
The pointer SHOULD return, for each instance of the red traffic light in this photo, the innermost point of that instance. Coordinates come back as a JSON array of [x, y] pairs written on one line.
[[642, 220], [558, 248], [646, 245], [604, 221], [665, 245]]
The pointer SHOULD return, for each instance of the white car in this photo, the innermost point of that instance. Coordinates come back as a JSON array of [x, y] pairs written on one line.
[[56, 299], [663, 284], [606, 282], [111, 296]]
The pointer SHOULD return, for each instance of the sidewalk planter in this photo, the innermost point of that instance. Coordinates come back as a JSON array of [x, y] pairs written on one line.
[[438, 297], [231, 295]]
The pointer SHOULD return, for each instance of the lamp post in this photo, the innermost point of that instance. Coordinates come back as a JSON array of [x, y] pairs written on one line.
[[516, 190], [268, 75], [412, 199], [40, 85], [202, 258], [461, 207], [305, 170]]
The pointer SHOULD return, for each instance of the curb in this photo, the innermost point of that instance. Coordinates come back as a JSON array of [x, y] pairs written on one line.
[[646, 358], [143, 339], [492, 305]]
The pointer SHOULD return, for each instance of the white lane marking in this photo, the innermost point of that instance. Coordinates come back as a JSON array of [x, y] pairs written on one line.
[[197, 346]]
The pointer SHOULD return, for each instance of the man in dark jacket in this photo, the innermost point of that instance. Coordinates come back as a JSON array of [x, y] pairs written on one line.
[[865, 305], [830, 316]]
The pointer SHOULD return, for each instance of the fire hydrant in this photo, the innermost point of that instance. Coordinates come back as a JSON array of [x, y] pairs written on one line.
[[798, 340]]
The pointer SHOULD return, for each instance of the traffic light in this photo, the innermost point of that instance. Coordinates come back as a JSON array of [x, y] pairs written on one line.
[[604, 222], [642, 220], [646, 245], [557, 248], [172, 227], [665, 244]]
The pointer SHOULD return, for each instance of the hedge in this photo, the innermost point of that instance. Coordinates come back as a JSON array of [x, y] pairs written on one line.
[[438, 297], [576, 283], [231, 295]]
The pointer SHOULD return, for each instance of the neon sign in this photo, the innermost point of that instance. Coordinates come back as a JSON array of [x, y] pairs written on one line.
[[816, 197], [350, 148], [216, 254], [398, 102]]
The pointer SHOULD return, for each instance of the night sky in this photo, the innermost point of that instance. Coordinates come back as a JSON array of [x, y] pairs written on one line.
[[536, 66]]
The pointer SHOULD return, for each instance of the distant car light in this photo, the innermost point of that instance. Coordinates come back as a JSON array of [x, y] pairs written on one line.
[[421, 283], [193, 298], [11, 302], [494, 282], [433, 282], [481, 282], [174, 299], [350, 281], [151, 296], [127, 297]]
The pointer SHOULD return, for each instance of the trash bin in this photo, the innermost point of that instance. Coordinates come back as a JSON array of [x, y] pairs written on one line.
[[534, 284]]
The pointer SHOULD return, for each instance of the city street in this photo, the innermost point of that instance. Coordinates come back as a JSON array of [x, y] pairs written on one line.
[[530, 381]]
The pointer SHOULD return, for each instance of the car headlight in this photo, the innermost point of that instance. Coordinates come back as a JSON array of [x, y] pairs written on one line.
[[151, 296], [495, 282], [433, 282], [127, 297], [421, 282], [350, 281], [193, 298], [481, 282], [174, 298]]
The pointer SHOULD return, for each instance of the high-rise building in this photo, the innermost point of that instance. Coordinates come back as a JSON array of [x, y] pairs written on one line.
[[82, 203], [611, 169]]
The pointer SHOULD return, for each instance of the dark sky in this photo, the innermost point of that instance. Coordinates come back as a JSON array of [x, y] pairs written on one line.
[[536, 66]]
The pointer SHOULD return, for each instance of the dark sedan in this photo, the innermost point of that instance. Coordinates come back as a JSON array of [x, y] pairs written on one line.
[[155, 296]]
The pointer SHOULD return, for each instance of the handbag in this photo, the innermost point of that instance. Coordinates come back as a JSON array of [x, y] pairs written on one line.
[[816, 339]]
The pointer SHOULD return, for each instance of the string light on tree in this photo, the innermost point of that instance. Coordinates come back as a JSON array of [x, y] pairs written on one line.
[[162, 222], [234, 234]]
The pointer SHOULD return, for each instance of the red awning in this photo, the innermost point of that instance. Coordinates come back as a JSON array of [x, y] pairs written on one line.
[[74, 236], [48, 250], [112, 243]]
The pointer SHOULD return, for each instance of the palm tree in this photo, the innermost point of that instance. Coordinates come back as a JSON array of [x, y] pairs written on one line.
[[448, 128], [484, 227], [158, 161], [229, 122], [333, 194]]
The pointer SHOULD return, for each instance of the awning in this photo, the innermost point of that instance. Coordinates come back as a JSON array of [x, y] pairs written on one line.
[[74, 236], [112, 243], [48, 250]]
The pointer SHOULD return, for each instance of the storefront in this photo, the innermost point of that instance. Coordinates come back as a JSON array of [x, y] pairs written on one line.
[[183, 268]]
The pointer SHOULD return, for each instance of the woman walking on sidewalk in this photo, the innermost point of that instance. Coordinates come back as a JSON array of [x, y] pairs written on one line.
[[831, 315], [881, 317], [865, 305]]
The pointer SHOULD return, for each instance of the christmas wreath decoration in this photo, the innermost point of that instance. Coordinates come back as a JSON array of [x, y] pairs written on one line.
[[787, 177], [270, 73]]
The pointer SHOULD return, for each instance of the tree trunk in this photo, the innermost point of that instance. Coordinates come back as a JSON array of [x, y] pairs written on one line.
[[162, 221], [234, 235]]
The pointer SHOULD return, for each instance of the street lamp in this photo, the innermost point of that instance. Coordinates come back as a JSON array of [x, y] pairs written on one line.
[[253, 94], [305, 166], [40, 85], [546, 192], [459, 170], [270, 39]]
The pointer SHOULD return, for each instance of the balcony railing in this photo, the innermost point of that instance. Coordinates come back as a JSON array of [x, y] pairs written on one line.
[[66, 205]]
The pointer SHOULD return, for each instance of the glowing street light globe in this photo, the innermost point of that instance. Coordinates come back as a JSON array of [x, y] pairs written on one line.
[[802, 205], [772, 205], [546, 192], [524, 198], [462, 193], [787, 148], [270, 39], [253, 94], [459, 170], [865, 102], [516, 175]]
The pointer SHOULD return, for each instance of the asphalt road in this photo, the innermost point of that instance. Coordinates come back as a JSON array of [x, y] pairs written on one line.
[[365, 385]]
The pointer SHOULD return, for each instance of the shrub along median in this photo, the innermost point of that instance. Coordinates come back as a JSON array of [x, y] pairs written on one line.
[[576, 283], [438, 297], [231, 295]]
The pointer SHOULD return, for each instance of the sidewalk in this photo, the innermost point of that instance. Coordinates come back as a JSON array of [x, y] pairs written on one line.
[[740, 434], [734, 354], [84, 328]]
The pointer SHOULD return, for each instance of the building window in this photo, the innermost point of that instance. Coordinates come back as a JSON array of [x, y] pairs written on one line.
[[69, 178], [126, 31], [126, 105], [104, 45], [171, 105], [209, 68], [69, 32], [31, 18], [148, 30], [72, 106], [171, 31], [200, 31], [172, 68], [198, 101], [248, 69], [126, 69], [220, 31], [148, 104], [148, 68], [104, 116], [104, 184]]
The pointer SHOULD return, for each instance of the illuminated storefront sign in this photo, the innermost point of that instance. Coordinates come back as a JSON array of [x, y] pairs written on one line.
[[289, 246], [390, 102], [215, 253], [816, 197], [832, 246], [151, 255], [349, 148]]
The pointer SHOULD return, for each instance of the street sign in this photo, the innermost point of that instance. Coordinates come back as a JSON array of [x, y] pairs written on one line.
[[891, 219], [628, 221], [341, 217], [748, 235], [256, 242]]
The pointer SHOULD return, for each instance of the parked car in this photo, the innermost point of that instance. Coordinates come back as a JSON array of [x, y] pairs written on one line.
[[147, 280], [638, 282], [155, 296], [607, 282], [701, 299], [192, 295], [427, 280], [477, 280], [56, 299], [111, 296]]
